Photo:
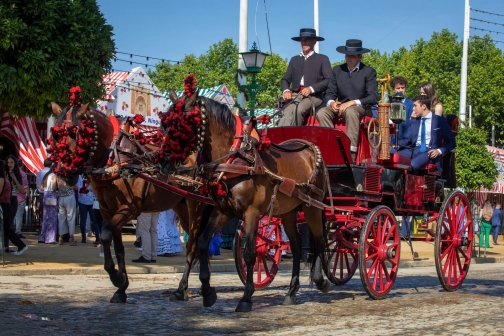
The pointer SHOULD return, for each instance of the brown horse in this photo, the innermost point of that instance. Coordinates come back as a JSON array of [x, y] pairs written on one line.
[[248, 197], [125, 199]]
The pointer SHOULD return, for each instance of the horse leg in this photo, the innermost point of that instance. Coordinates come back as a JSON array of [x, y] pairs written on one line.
[[216, 222], [192, 222], [120, 295], [117, 277], [290, 227], [251, 219], [314, 218]]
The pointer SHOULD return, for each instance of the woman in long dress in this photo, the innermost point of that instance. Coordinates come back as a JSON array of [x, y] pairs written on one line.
[[168, 235], [49, 230]]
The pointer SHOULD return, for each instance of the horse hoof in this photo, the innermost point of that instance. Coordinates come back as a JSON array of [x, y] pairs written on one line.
[[244, 307], [326, 287], [289, 300], [209, 298], [119, 298], [178, 296]]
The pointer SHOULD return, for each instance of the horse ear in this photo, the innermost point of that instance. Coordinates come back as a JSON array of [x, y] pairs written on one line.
[[190, 101], [56, 109], [82, 111], [173, 96]]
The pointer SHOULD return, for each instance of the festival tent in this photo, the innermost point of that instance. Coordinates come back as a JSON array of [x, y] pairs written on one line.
[[23, 133], [132, 92], [498, 188], [219, 93]]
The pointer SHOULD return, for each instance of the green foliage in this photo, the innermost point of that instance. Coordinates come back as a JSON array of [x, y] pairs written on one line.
[[219, 66], [46, 47], [475, 166]]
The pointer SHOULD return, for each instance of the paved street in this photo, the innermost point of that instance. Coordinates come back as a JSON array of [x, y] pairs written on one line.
[[77, 304]]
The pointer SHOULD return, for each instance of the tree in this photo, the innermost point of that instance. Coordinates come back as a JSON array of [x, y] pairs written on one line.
[[485, 80], [475, 166], [219, 65], [46, 47]]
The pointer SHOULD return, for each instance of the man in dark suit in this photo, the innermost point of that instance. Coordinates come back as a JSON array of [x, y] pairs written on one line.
[[429, 136], [307, 75], [351, 92]]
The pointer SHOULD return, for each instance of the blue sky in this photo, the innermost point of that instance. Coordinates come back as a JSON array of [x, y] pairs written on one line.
[[171, 29]]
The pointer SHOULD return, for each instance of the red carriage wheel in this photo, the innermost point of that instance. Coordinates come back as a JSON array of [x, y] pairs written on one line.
[[454, 238], [379, 252], [342, 259], [268, 252]]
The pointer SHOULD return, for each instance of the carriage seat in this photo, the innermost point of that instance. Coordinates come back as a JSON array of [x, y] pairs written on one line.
[[396, 161], [311, 120]]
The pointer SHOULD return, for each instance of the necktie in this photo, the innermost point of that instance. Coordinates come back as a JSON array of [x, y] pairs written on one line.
[[423, 145]]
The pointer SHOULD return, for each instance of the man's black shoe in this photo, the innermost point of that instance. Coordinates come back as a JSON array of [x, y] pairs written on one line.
[[141, 260], [21, 236], [153, 261]]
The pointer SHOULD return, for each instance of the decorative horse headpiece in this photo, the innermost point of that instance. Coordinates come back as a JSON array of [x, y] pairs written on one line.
[[185, 126], [71, 145]]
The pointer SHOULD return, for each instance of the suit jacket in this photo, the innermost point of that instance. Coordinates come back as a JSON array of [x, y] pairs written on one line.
[[356, 85], [408, 103], [441, 136], [316, 70]]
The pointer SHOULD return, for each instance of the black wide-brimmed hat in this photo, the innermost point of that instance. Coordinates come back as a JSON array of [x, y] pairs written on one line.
[[307, 32], [352, 47]]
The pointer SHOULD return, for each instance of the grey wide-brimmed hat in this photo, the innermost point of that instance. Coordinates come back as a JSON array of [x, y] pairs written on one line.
[[352, 47], [308, 32]]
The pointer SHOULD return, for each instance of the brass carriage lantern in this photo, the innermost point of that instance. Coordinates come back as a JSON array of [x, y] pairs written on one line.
[[397, 113], [254, 60]]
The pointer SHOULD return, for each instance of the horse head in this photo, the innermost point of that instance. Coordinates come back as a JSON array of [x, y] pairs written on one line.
[[81, 137], [193, 123]]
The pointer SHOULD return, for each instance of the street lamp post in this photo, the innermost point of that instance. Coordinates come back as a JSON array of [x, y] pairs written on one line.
[[254, 60]]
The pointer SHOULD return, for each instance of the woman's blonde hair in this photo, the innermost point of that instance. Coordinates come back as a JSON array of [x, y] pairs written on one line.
[[487, 212]]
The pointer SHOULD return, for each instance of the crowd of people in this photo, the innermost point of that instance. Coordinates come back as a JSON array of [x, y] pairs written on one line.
[[491, 219], [60, 204]]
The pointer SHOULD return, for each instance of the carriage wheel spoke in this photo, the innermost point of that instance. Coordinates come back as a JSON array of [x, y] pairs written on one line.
[[266, 268], [372, 256], [335, 263], [385, 270], [447, 250], [464, 254], [259, 273], [372, 268], [347, 264]]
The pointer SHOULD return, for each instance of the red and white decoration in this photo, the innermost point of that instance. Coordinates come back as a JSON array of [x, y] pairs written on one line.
[[23, 133]]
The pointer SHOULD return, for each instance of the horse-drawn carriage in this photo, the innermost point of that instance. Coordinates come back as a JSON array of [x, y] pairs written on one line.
[[272, 180], [361, 227]]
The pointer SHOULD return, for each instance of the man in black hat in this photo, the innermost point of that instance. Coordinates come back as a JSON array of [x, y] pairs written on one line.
[[351, 92], [307, 75]]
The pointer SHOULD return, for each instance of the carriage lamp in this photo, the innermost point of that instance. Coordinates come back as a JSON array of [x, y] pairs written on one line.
[[397, 113], [254, 60]]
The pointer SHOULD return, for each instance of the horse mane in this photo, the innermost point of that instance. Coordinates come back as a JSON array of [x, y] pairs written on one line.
[[221, 111]]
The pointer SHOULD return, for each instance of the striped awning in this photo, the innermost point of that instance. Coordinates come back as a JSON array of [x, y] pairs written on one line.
[[110, 81], [23, 133], [218, 93]]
